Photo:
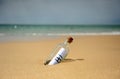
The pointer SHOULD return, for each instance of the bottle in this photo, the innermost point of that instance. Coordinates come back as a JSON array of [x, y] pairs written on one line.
[[59, 53]]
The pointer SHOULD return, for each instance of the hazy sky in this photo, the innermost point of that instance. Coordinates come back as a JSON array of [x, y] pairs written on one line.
[[60, 11]]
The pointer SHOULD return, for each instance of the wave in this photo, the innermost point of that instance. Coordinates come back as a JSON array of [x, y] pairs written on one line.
[[36, 36], [59, 34], [2, 34], [74, 34]]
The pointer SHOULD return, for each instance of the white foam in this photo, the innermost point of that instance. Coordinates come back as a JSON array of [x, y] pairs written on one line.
[[2, 34], [36, 36], [77, 34], [15, 26], [74, 34]]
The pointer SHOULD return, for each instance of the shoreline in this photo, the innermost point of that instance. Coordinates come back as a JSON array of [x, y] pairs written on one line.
[[49, 36]]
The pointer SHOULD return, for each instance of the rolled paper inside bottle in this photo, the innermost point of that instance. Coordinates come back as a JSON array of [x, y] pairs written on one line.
[[58, 57]]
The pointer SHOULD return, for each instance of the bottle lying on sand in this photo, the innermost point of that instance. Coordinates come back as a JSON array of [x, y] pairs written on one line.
[[59, 53]]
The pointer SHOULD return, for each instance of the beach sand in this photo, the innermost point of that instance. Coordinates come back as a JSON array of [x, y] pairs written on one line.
[[90, 57]]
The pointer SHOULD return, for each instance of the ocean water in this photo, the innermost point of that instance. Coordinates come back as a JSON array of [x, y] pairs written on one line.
[[36, 32]]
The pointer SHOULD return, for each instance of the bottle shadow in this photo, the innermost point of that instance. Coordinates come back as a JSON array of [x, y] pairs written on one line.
[[71, 60]]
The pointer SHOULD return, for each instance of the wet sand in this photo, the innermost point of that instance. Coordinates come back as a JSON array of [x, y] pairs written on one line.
[[90, 57]]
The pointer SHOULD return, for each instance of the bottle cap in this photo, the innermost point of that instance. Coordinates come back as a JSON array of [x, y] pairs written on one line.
[[70, 39]]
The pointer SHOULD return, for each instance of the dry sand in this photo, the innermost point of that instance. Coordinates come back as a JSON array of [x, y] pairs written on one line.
[[90, 57]]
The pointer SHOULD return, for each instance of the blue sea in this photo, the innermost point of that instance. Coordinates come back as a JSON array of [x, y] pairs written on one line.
[[35, 32]]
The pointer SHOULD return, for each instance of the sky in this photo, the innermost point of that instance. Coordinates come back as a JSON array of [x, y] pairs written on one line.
[[59, 11]]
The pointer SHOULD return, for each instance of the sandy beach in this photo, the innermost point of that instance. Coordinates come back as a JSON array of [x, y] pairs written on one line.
[[90, 57]]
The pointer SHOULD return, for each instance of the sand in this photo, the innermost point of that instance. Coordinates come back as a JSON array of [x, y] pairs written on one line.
[[90, 57]]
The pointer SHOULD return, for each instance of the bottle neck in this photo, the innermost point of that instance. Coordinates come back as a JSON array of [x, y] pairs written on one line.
[[66, 43]]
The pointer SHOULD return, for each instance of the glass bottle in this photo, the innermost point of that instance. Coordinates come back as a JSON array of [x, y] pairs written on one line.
[[59, 53]]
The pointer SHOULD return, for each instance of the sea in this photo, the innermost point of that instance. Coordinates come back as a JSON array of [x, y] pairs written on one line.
[[17, 32]]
